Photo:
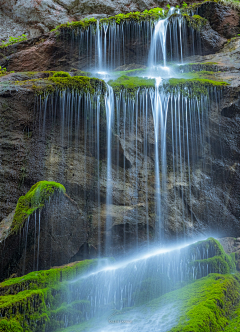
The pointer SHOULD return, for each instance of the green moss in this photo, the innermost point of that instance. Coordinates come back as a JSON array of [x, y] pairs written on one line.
[[131, 84], [207, 303], [13, 40], [38, 300], [81, 73], [196, 22], [132, 72], [10, 326], [147, 15], [33, 200], [77, 83], [191, 87], [61, 74]]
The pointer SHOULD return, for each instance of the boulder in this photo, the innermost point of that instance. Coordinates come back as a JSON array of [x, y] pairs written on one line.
[[51, 235]]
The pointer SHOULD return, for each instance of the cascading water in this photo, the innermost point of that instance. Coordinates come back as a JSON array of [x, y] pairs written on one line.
[[111, 45]]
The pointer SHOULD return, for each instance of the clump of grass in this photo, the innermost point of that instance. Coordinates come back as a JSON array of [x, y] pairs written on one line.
[[13, 40], [61, 74]]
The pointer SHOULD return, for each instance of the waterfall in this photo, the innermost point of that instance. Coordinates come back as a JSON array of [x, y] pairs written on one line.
[[114, 287], [110, 45], [109, 104]]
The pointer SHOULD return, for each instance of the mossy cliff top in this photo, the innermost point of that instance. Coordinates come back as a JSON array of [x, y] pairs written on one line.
[[131, 84], [48, 278], [192, 87], [150, 15], [188, 87], [64, 81], [35, 199]]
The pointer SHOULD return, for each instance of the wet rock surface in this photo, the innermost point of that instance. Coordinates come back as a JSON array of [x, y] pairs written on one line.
[[232, 245], [223, 19], [37, 17], [63, 233]]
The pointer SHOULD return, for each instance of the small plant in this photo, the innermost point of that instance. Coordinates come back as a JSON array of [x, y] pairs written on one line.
[[61, 74], [184, 5], [168, 6], [2, 70], [14, 40]]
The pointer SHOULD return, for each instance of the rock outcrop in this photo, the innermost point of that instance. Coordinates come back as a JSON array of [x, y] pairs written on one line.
[[51, 235]]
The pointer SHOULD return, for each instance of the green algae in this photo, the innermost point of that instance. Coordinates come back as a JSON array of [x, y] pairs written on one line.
[[131, 84], [33, 200]]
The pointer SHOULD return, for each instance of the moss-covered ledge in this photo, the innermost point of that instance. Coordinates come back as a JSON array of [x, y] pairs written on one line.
[[48, 85], [38, 299], [35, 199], [131, 84], [192, 87], [147, 15]]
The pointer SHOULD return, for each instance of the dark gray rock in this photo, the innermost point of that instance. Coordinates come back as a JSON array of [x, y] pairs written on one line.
[[63, 234]]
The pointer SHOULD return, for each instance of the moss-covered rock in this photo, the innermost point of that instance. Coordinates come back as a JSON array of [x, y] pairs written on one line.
[[47, 298], [33, 200], [196, 21], [37, 301], [61, 74], [191, 87], [131, 84], [147, 15], [208, 303], [81, 84]]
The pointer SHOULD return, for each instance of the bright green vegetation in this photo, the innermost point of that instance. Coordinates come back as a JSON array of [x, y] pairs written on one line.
[[39, 299], [3, 71], [13, 40], [152, 15], [35, 199], [131, 72], [234, 321], [83, 24], [61, 74], [131, 84], [77, 83], [195, 21], [207, 303], [191, 87], [81, 73]]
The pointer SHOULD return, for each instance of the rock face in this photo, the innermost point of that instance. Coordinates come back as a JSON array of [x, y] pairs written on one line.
[[63, 233], [40, 16], [223, 19], [37, 145], [232, 245]]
